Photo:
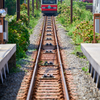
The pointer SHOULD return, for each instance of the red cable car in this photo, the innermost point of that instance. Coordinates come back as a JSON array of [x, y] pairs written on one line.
[[49, 6]]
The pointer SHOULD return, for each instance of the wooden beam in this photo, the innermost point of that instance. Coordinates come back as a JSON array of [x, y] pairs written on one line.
[[61, 1], [71, 11], [1, 4], [33, 7], [1, 33], [28, 6], [36, 4], [18, 10]]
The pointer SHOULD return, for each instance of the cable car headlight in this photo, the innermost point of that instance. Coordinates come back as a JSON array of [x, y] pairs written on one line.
[[49, 7], [54, 7], [43, 7]]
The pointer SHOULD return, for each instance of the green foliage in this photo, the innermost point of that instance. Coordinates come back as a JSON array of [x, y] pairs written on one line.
[[84, 32], [19, 31], [81, 5], [11, 6], [82, 26], [15, 70], [81, 30], [18, 34], [79, 14], [77, 51], [18, 65], [24, 18], [85, 69]]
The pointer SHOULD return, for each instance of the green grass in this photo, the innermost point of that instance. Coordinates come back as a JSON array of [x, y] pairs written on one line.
[[79, 14], [15, 70], [78, 40], [33, 21], [22, 61], [18, 65], [40, 34], [78, 50], [85, 69]]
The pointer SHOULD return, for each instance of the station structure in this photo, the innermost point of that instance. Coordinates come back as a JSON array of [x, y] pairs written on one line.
[[92, 50], [7, 51]]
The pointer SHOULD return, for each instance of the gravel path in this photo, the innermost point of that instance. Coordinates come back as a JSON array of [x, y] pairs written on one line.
[[9, 89], [86, 88]]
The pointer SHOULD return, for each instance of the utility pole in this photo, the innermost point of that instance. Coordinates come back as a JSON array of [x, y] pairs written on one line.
[[1, 4], [25, 1], [71, 11], [36, 4], [39, 3], [33, 7], [28, 6], [61, 1], [18, 10]]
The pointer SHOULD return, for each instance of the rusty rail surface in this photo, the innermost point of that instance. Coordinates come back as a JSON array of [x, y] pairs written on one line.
[[61, 66], [48, 81]]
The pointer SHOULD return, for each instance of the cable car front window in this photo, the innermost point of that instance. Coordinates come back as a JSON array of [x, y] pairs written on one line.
[[49, 2]]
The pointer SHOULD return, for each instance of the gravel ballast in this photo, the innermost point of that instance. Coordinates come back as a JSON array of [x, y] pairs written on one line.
[[86, 88]]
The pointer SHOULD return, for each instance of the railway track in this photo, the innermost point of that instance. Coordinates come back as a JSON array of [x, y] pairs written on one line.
[[48, 82]]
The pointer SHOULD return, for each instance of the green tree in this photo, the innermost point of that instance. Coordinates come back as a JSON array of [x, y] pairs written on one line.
[[11, 6]]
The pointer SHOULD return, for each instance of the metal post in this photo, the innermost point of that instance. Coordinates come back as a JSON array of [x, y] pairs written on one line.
[[28, 10], [96, 16], [36, 4], [18, 10], [94, 30], [2, 21], [1, 4], [95, 77], [28, 6], [1, 32], [33, 7], [61, 1], [98, 81], [39, 3], [99, 24], [71, 11], [89, 68]]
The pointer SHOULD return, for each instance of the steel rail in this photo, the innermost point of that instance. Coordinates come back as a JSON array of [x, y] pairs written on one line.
[[35, 68], [66, 95]]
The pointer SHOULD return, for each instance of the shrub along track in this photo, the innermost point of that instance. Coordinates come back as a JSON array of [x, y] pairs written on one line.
[[48, 81]]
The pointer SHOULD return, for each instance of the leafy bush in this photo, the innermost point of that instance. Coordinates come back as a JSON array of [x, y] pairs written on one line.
[[81, 30], [78, 14], [85, 31], [82, 27], [85, 69], [19, 31], [23, 6], [18, 34], [24, 18], [11, 6]]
